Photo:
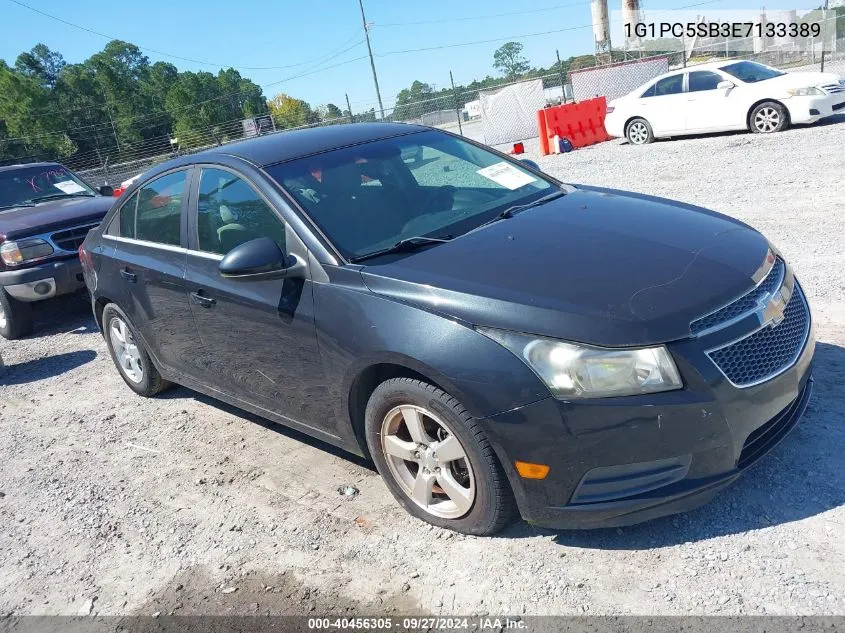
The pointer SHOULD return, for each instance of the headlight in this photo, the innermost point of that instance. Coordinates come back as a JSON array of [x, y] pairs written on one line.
[[573, 370], [805, 92], [15, 253]]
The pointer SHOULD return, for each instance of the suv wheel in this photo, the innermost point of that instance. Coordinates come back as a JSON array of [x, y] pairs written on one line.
[[15, 317], [129, 354], [435, 458]]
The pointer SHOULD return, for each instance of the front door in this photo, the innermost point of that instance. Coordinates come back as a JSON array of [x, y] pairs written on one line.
[[150, 261], [258, 336], [710, 109]]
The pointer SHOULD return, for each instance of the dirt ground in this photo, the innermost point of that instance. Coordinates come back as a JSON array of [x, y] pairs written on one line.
[[112, 504]]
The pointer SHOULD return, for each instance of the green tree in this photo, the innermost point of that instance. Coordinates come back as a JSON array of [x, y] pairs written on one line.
[[42, 64], [289, 112], [508, 60]]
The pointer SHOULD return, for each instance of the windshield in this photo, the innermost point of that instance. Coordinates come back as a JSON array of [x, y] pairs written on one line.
[[751, 72], [27, 185], [369, 197]]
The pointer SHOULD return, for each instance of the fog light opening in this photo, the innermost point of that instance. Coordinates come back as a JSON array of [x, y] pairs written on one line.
[[42, 288], [527, 470]]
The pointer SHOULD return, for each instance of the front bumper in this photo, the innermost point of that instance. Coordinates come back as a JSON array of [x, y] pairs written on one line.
[[43, 281], [619, 461], [813, 108]]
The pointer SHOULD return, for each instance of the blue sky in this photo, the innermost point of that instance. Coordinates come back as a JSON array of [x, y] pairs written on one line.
[[324, 33]]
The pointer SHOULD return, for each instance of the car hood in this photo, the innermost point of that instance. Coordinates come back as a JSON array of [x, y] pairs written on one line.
[[51, 215], [598, 266], [800, 80]]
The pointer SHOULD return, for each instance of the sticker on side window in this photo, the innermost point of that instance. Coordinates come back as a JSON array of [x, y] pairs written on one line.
[[506, 175], [68, 186]]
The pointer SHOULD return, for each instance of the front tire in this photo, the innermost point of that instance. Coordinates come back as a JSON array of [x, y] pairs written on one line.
[[435, 458], [768, 117], [129, 354], [15, 317], [639, 132]]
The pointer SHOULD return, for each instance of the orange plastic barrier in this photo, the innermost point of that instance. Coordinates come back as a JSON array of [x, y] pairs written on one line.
[[582, 123]]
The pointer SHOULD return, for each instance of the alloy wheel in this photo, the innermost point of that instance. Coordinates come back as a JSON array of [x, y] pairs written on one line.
[[126, 350], [428, 461], [638, 133], [767, 119]]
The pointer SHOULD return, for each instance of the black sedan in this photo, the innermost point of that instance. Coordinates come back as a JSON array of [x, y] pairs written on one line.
[[493, 339]]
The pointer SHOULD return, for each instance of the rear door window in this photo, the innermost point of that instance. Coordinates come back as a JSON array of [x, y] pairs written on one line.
[[669, 86], [154, 212]]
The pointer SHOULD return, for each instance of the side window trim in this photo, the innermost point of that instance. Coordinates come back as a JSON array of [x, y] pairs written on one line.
[[113, 229], [189, 172]]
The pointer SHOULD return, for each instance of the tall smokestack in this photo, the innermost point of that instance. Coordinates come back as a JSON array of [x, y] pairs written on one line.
[[601, 27], [630, 17]]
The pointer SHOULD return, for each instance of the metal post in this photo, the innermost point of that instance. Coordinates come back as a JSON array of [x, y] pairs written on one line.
[[372, 63], [562, 82], [824, 29], [108, 109], [349, 110], [457, 106]]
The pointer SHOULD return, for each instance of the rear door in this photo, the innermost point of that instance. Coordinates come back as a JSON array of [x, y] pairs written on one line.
[[664, 106], [147, 267], [258, 336]]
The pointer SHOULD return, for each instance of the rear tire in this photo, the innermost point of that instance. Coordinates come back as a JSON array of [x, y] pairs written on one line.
[[15, 317], [435, 458], [639, 132], [129, 354], [768, 117]]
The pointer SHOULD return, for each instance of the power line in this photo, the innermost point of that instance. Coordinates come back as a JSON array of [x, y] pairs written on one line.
[[153, 50], [485, 17]]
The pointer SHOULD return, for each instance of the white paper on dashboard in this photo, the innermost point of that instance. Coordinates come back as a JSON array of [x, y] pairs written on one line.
[[506, 175], [68, 186]]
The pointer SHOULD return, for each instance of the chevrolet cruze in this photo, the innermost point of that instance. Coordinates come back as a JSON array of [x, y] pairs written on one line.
[[495, 340]]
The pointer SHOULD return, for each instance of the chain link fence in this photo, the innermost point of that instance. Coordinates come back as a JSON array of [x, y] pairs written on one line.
[[497, 114]]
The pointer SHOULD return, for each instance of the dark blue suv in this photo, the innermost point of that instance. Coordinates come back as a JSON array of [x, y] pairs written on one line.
[[493, 339]]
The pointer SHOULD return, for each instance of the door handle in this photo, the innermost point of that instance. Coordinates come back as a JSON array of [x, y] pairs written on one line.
[[205, 302], [128, 275]]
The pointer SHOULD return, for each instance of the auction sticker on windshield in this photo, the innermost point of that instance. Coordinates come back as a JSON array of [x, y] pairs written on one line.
[[506, 175], [68, 186]]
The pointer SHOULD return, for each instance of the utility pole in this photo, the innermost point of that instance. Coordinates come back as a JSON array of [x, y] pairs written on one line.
[[824, 30], [562, 83], [114, 131], [370, 50], [457, 104], [349, 110]]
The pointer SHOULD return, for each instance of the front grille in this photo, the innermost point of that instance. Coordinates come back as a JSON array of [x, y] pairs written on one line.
[[768, 351], [745, 304], [839, 106], [71, 239], [833, 88], [765, 438]]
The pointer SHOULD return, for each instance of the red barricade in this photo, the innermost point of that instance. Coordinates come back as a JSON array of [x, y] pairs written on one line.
[[582, 123]]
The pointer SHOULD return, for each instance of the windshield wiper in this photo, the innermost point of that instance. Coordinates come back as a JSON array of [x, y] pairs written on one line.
[[19, 204], [53, 196], [408, 244], [511, 211]]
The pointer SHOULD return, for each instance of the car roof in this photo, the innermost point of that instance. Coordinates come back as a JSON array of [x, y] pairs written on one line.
[[27, 166], [291, 144]]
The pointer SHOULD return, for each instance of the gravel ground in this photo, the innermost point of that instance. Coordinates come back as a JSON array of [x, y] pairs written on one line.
[[113, 504]]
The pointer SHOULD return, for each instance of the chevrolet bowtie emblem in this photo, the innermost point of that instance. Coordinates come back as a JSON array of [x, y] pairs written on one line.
[[773, 313]]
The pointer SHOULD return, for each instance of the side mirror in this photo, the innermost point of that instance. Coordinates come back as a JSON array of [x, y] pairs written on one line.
[[260, 258], [106, 190], [531, 164], [724, 85]]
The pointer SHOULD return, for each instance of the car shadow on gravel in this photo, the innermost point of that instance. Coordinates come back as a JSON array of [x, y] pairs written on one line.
[[46, 367], [181, 393], [799, 479], [70, 313]]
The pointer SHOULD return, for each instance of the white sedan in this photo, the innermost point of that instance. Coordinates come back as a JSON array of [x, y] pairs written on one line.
[[722, 96]]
